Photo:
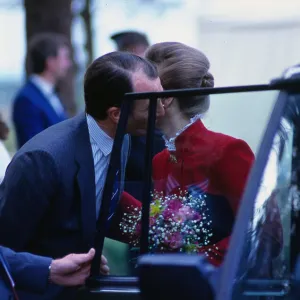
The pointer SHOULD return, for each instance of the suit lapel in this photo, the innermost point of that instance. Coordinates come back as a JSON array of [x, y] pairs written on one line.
[[86, 178], [86, 182]]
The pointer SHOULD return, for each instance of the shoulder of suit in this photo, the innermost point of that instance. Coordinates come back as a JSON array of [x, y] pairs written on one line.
[[57, 138], [26, 89], [26, 93]]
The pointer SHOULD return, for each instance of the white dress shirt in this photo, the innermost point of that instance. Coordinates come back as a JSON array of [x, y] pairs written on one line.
[[101, 147], [48, 90]]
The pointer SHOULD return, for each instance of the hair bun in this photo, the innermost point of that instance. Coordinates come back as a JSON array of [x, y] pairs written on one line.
[[208, 81]]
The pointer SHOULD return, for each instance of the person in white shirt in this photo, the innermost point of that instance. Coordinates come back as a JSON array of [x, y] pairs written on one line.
[[37, 106]]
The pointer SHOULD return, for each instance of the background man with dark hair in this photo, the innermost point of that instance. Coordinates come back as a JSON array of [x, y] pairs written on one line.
[[131, 41], [51, 195], [37, 106], [136, 43]]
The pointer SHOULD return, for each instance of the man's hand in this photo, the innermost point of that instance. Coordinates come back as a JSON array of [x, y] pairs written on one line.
[[104, 269], [73, 269]]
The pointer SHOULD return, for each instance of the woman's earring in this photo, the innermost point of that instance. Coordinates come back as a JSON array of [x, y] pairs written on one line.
[[163, 106]]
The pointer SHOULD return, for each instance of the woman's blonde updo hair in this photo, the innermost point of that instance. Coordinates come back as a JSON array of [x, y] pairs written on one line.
[[179, 67]]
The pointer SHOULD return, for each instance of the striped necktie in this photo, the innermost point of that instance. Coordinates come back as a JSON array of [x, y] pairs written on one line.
[[115, 196]]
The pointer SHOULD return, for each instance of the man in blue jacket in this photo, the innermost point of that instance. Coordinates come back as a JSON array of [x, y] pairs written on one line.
[[37, 106], [33, 273]]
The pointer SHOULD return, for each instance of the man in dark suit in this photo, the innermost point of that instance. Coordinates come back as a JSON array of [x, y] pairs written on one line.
[[136, 43], [33, 273], [37, 106], [52, 191]]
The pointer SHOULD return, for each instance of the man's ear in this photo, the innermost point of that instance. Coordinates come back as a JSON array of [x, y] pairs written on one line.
[[113, 113], [166, 102]]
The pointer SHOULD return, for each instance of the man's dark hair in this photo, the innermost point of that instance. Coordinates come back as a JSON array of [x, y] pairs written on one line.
[[40, 48], [109, 78], [127, 39]]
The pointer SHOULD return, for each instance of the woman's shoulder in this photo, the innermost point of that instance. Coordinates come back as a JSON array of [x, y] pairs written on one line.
[[224, 140], [231, 143], [209, 148], [233, 154], [198, 135]]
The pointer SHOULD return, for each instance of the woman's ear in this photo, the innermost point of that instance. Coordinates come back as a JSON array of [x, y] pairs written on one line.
[[113, 113], [166, 102]]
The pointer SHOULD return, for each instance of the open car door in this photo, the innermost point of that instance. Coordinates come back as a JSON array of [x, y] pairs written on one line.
[[265, 231], [255, 266]]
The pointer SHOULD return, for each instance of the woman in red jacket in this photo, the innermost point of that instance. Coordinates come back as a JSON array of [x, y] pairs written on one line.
[[210, 167], [198, 161]]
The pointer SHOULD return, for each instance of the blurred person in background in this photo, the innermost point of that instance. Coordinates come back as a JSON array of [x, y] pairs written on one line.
[[4, 155], [131, 41], [136, 43], [37, 106]]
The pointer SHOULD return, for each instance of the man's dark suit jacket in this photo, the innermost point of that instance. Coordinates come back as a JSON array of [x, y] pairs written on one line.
[[32, 113], [30, 272], [47, 198]]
